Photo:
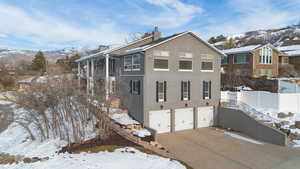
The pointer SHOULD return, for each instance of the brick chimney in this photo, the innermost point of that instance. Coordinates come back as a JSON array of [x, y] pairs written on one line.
[[155, 34]]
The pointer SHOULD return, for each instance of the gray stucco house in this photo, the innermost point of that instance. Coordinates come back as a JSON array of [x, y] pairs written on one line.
[[166, 83]]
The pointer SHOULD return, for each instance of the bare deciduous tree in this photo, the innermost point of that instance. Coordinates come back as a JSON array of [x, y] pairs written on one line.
[[59, 109]]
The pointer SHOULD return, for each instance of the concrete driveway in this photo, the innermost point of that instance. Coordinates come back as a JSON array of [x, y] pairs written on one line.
[[209, 148]]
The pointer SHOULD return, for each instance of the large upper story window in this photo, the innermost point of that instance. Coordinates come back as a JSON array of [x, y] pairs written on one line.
[[185, 65], [242, 58], [161, 64], [266, 55], [136, 62], [132, 62]]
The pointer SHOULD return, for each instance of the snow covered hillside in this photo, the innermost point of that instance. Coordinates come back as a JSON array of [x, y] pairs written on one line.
[[16, 142], [289, 35]]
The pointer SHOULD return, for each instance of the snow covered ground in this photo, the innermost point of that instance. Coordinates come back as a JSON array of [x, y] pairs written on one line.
[[125, 119], [3, 102], [124, 158], [16, 141], [234, 135]]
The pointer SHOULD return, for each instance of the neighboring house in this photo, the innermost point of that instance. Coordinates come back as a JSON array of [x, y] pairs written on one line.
[[291, 55], [25, 83], [170, 83], [253, 60]]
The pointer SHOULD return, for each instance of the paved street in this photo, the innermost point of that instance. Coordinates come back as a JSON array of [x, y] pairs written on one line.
[[209, 148]]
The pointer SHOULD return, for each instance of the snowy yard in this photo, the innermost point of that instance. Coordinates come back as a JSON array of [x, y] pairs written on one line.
[[16, 141], [124, 158]]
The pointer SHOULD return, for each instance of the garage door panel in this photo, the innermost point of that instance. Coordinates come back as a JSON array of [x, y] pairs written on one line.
[[160, 120], [205, 116], [184, 119]]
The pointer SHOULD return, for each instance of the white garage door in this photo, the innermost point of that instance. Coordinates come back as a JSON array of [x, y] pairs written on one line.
[[184, 119], [205, 116], [160, 120]]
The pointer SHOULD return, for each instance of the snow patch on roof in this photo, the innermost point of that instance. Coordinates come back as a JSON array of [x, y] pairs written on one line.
[[241, 49], [220, 43], [28, 80], [293, 53], [289, 48]]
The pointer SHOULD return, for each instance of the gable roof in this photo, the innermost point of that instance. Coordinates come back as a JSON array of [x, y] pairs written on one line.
[[247, 49], [108, 51], [166, 39]]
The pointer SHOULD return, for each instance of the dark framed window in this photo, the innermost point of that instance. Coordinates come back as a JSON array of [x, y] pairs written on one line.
[[241, 58], [135, 87], [206, 90], [132, 62], [136, 62], [161, 64], [185, 90], [207, 66], [185, 65], [127, 63], [161, 91], [224, 60]]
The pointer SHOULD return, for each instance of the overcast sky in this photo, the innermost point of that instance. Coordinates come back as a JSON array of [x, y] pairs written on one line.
[[54, 24]]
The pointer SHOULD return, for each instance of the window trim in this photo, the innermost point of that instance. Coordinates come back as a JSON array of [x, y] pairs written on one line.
[[139, 65], [266, 56], [160, 69], [135, 87], [160, 99], [127, 69], [208, 91], [185, 70], [241, 63], [131, 63], [185, 95], [207, 70]]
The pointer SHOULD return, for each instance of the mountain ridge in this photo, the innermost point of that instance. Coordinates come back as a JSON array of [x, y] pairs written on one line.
[[289, 35]]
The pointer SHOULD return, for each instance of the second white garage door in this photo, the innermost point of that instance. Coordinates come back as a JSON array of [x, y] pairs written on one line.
[[205, 116], [160, 121], [184, 119]]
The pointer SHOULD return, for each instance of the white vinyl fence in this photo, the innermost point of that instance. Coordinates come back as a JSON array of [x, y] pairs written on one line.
[[282, 102]]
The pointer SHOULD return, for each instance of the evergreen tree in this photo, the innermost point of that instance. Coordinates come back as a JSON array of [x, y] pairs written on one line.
[[39, 62], [73, 59], [68, 63]]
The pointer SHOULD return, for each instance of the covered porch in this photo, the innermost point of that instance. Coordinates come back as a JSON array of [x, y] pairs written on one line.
[[98, 74]]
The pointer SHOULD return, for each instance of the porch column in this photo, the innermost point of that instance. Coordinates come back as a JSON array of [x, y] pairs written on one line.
[[106, 76], [92, 77], [79, 74], [87, 76]]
